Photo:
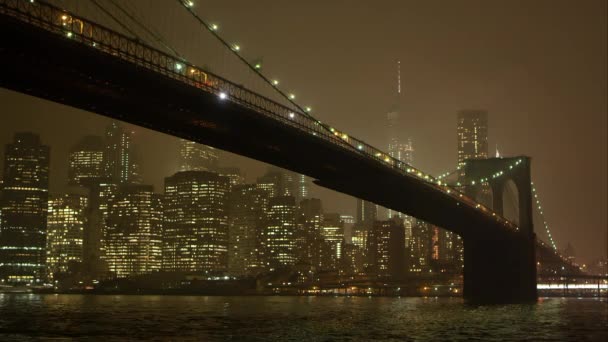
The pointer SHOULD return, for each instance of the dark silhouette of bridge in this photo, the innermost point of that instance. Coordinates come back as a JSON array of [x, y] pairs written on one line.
[[52, 54]]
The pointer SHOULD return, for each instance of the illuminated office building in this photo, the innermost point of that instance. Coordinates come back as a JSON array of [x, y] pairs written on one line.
[[86, 162], [280, 232], [367, 213], [65, 231], [197, 157], [278, 182], [195, 231], [332, 232], [246, 222], [386, 249], [94, 247], [233, 174], [133, 231], [24, 206], [120, 156], [349, 223], [472, 136], [420, 248]]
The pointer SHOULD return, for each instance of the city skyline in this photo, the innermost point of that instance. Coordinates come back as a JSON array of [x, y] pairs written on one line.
[[538, 137]]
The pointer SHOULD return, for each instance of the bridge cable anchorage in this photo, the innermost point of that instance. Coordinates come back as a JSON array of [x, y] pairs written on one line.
[[254, 67], [539, 208]]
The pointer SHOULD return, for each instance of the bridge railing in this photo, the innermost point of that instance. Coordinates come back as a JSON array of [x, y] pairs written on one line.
[[105, 40]]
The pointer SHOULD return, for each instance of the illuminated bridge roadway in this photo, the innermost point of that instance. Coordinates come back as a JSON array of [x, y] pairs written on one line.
[[52, 54]]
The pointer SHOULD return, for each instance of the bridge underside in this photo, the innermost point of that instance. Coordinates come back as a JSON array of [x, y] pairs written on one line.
[[46, 65]]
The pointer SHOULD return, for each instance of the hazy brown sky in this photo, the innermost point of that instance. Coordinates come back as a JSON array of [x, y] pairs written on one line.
[[538, 67]]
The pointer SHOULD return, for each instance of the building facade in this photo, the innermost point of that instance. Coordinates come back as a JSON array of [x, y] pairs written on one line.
[[386, 250], [86, 162], [246, 221], [24, 206], [133, 231], [195, 231], [65, 232], [472, 132], [197, 157], [121, 164], [281, 232]]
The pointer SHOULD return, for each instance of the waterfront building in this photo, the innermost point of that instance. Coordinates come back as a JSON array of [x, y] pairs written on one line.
[[24, 206], [280, 232], [386, 249], [246, 221], [133, 231], [195, 231], [65, 232]]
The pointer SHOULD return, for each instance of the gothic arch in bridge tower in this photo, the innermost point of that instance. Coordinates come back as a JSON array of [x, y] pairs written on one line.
[[510, 201], [514, 180]]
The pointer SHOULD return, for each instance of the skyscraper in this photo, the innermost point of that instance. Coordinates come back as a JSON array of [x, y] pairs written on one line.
[[65, 231], [24, 210], [197, 157], [120, 157], [472, 136], [280, 232], [277, 182], [367, 213], [86, 162], [246, 221], [195, 231], [233, 174], [398, 147], [133, 231], [386, 249], [332, 232]]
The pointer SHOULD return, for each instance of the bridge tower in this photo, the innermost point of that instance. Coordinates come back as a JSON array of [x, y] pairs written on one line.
[[501, 267]]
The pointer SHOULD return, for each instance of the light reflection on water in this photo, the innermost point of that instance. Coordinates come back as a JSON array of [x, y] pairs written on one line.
[[120, 317]]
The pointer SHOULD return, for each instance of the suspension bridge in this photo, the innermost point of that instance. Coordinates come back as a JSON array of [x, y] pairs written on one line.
[[114, 59]]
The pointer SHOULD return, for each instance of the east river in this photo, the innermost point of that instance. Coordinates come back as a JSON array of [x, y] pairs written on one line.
[[26, 317]]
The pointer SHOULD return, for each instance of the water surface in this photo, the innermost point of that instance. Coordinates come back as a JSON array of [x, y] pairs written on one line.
[[122, 317]]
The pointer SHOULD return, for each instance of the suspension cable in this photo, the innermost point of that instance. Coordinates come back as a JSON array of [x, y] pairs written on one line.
[[212, 29]]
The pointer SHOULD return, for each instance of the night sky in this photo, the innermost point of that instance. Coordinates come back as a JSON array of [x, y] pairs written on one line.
[[538, 67]]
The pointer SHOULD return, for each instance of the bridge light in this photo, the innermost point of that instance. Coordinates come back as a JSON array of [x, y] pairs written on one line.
[[258, 66], [214, 27], [308, 109], [236, 47], [223, 96], [69, 34], [64, 17], [178, 66], [292, 96], [360, 147], [275, 82], [189, 4]]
